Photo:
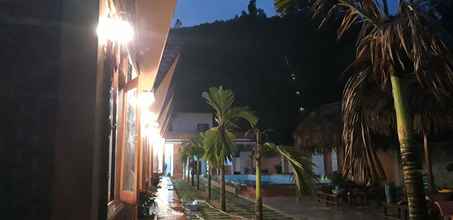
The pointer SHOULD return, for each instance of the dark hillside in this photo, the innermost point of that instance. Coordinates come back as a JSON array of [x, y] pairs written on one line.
[[258, 58]]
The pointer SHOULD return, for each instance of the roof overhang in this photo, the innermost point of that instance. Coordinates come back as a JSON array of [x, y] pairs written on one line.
[[152, 25]]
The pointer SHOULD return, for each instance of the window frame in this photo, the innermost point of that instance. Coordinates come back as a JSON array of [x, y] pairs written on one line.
[[128, 196]]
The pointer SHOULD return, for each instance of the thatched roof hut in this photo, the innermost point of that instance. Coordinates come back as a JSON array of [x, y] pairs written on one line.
[[430, 117], [324, 127], [369, 111], [320, 128]]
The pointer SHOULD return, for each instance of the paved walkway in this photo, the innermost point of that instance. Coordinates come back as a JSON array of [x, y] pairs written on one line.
[[238, 208], [309, 209], [169, 205]]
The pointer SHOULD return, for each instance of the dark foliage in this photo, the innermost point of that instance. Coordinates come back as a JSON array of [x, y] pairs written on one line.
[[258, 57]]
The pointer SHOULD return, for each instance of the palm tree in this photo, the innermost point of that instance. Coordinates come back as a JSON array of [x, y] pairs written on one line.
[[301, 165], [395, 48], [198, 152], [220, 138], [185, 155], [193, 151], [212, 159]]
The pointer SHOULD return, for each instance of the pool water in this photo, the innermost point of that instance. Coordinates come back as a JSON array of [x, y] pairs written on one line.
[[265, 179]]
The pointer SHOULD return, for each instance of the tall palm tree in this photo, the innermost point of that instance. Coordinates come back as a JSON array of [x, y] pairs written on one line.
[[220, 138], [185, 155], [301, 165], [198, 152], [193, 151], [396, 47], [212, 159]]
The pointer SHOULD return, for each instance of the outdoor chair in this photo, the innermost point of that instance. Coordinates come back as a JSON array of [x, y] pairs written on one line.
[[445, 209], [325, 196], [357, 197], [398, 210]]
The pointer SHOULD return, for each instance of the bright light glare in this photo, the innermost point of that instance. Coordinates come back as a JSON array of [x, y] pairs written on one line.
[[146, 100], [150, 124], [114, 29], [149, 117]]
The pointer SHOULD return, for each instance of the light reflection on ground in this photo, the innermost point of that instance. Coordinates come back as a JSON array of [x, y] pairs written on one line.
[[169, 206]]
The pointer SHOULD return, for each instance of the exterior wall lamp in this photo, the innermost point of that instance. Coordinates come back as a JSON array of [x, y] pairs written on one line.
[[114, 29], [147, 99]]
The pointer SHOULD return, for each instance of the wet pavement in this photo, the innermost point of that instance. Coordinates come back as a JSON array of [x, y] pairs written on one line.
[[237, 207], [169, 205], [309, 209]]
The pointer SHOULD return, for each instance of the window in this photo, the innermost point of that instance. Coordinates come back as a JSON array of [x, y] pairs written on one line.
[[130, 136], [202, 127], [131, 73]]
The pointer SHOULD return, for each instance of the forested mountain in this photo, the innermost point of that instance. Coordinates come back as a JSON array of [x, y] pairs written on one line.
[[281, 67]]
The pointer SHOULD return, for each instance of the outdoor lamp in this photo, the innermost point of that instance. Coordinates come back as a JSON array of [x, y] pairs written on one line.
[[114, 29], [146, 99], [149, 117]]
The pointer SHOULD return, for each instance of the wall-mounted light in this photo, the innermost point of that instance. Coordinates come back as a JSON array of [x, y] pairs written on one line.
[[146, 99], [114, 29], [149, 117]]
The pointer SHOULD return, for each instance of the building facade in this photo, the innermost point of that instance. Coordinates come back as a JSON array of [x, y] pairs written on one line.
[[74, 140]]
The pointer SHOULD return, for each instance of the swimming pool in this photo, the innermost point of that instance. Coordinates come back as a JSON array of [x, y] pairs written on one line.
[[265, 179]]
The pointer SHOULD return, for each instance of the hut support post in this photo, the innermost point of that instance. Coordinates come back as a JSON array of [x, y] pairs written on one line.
[[428, 164], [412, 173]]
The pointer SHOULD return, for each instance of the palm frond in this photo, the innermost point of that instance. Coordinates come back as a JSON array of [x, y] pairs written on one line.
[[301, 165], [219, 99], [218, 146], [237, 113], [360, 162], [287, 6], [218, 141], [408, 42]]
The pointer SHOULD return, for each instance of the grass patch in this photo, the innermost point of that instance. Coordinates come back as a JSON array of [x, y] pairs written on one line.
[[235, 205], [185, 191]]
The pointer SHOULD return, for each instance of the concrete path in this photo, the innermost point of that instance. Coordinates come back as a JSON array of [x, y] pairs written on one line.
[[310, 209], [169, 205], [237, 207]]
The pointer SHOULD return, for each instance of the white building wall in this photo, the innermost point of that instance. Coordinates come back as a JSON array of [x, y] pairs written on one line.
[[318, 160], [245, 162], [187, 122]]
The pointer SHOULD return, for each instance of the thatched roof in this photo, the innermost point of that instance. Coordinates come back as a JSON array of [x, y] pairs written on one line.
[[320, 128], [369, 110], [323, 128], [430, 116]]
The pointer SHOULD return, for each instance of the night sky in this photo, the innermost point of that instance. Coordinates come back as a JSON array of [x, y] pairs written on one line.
[[194, 12]]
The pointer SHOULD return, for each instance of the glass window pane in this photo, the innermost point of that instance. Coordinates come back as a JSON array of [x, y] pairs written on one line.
[[131, 74], [129, 170]]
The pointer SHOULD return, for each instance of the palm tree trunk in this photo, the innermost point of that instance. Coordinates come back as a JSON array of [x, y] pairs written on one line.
[[188, 173], [412, 173], [258, 198], [198, 174], [209, 184], [429, 166], [188, 170], [192, 173], [183, 172], [222, 190]]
